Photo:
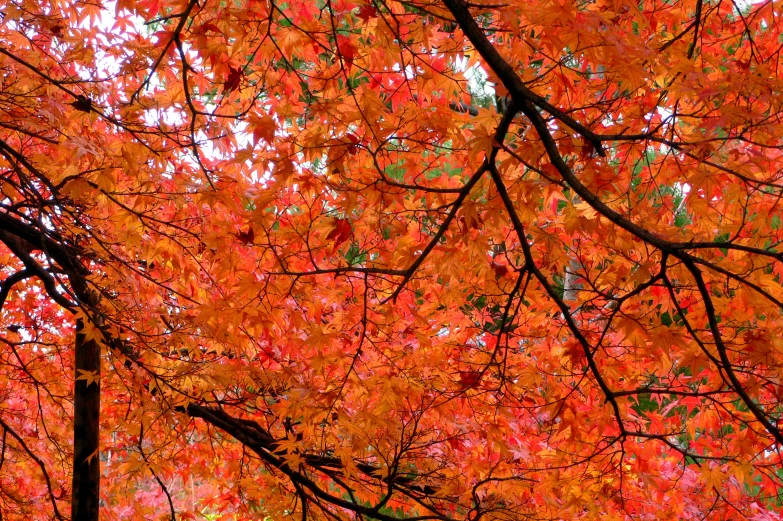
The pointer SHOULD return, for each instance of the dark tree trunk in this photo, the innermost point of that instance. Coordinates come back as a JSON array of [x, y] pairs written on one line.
[[86, 430]]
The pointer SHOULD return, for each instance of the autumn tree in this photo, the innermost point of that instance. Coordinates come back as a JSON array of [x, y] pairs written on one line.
[[391, 259]]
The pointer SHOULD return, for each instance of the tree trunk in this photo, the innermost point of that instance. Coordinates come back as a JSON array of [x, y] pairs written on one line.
[[571, 284], [86, 430]]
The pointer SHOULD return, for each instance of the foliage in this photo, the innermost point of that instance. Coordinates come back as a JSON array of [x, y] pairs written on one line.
[[330, 277]]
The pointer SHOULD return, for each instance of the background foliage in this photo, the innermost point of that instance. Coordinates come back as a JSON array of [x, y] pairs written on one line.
[[386, 259]]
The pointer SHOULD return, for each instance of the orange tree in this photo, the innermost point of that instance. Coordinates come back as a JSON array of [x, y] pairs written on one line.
[[391, 259]]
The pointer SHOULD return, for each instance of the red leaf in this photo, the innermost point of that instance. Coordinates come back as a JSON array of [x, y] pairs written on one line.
[[346, 50], [367, 12], [209, 27], [341, 232], [469, 379], [232, 79], [588, 150], [82, 103], [500, 270], [354, 140], [247, 237]]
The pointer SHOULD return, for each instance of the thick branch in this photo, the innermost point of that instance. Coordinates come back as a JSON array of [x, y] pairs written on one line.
[[519, 92], [5, 287], [257, 439]]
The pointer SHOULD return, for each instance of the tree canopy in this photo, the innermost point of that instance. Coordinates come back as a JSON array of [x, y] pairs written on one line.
[[381, 259]]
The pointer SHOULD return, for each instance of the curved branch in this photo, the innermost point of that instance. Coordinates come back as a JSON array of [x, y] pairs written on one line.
[[53, 499], [520, 93], [257, 439], [7, 284], [759, 414]]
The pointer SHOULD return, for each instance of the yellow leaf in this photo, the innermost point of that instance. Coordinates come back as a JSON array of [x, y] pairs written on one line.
[[90, 376]]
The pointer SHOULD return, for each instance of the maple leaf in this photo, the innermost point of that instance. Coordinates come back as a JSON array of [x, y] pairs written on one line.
[[92, 455], [634, 309], [233, 79], [499, 269], [346, 49], [246, 237], [262, 127], [367, 12], [469, 379], [82, 104], [340, 232], [352, 148], [89, 376]]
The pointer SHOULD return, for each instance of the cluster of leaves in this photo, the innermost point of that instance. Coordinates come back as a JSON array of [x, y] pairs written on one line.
[[329, 278]]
